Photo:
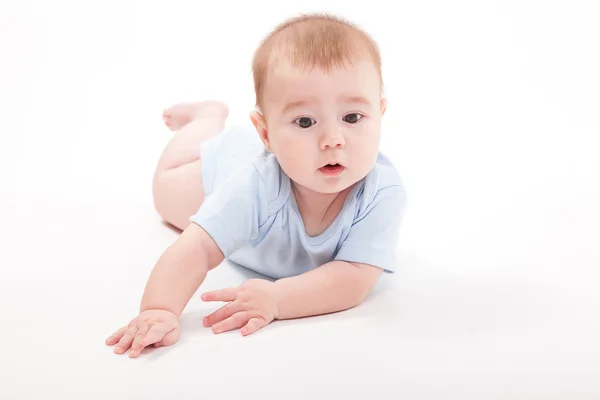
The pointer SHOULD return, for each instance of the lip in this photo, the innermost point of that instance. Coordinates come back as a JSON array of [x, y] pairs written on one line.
[[332, 171]]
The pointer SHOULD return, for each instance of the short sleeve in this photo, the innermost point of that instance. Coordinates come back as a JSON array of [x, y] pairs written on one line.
[[234, 212], [373, 236]]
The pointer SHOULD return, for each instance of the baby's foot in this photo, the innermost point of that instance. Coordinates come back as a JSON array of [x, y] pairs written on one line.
[[181, 114]]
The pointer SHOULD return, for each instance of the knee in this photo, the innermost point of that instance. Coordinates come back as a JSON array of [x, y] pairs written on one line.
[[161, 199], [173, 201], [158, 197]]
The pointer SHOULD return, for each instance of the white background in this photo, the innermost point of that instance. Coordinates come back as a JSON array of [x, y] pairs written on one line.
[[493, 122]]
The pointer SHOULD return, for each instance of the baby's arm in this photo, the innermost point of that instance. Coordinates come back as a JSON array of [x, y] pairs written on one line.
[[180, 271], [335, 286], [369, 249], [177, 275]]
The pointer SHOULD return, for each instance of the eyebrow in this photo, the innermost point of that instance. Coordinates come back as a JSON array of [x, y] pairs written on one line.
[[346, 100], [356, 99], [295, 104]]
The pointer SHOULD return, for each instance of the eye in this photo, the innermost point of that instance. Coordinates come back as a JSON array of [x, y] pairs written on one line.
[[305, 122], [352, 118]]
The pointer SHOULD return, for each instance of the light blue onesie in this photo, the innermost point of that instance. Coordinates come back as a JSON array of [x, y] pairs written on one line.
[[251, 213]]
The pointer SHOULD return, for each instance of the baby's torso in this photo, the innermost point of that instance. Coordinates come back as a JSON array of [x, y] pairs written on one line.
[[253, 212], [289, 245]]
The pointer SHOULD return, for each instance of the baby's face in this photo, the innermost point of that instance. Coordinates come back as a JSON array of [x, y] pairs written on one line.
[[314, 118]]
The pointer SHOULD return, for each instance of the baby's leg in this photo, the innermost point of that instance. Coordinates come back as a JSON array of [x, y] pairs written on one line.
[[177, 185]]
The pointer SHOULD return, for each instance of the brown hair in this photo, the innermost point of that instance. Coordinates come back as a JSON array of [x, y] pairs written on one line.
[[321, 40]]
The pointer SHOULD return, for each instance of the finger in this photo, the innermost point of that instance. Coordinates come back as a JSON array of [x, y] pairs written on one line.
[[126, 339], [253, 325], [143, 328], [137, 346], [237, 320], [154, 334], [224, 312], [169, 339], [220, 295], [115, 337]]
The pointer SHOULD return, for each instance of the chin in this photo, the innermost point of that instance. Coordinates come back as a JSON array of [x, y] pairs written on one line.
[[320, 187], [334, 187]]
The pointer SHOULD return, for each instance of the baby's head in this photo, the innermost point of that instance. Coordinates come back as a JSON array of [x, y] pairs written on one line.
[[319, 99]]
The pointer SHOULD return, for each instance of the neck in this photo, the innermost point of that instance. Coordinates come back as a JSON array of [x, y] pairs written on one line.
[[316, 203]]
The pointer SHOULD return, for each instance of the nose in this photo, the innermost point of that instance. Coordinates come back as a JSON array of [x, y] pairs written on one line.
[[332, 139]]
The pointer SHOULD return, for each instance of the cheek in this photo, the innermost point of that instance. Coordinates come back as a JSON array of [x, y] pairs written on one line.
[[366, 138], [363, 146], [290, 141], [291, 147]]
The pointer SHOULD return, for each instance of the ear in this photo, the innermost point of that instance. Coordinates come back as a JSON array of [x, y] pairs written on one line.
[[258, 120], [383, 106]]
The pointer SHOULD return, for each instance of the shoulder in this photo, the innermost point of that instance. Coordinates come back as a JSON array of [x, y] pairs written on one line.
[[272, 180], [260, 182], [382, 187]]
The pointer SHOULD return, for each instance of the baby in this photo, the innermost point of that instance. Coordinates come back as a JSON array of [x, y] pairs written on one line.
[[305, 197]]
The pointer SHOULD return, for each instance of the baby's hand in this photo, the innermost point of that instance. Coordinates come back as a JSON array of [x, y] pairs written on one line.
[[252, 306], [157, 327]]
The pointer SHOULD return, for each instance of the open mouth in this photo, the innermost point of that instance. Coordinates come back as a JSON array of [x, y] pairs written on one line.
[[332, 169]]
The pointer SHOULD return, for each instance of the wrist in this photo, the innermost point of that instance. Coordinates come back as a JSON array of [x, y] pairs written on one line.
[[277, 294], [155, 307]]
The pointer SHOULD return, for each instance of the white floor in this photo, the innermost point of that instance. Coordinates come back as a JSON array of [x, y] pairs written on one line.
[[493, 123]]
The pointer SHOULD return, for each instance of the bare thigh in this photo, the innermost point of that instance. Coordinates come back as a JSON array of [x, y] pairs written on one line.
[[177, 185]]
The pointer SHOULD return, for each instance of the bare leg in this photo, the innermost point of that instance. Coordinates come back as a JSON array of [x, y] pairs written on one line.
[[177, 185]]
